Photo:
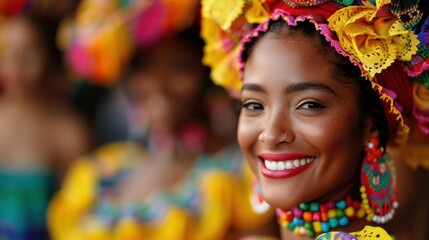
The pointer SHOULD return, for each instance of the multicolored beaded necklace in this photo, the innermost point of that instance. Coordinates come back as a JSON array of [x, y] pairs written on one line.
[[310, 219]]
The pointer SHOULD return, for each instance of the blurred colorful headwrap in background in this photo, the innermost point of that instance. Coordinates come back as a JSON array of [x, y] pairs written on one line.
[[49, 8], [387, 39], [99, 39]]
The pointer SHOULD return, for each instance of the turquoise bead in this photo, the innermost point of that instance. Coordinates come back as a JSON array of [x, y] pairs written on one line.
[[341, 204], [314, 206], [343, 221], [298, 221], [325, 227], [291, 226], [345, 2], [333, 222]]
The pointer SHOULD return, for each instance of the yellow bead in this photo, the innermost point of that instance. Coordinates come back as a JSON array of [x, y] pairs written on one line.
[[349, 211], [364, 196], [331, 213], [362, 189], [296, 231], [360, 213], [365, 201], [317, 226], [369, 217]]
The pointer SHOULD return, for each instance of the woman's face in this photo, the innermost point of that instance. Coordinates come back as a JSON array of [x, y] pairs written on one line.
[[300, 128], [23, 60], [167, 84]]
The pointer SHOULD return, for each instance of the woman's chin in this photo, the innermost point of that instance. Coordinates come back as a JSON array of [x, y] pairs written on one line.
[[282, 201]]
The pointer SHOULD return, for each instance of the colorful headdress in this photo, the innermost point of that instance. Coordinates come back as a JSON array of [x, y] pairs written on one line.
[[387, 39], [100, 38], [49, 8]]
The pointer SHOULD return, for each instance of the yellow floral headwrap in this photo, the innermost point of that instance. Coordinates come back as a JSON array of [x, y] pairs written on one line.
[[373, 35]]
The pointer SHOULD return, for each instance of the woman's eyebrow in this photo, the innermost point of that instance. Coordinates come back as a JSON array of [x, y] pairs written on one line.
[[308, 85], [252, 87]]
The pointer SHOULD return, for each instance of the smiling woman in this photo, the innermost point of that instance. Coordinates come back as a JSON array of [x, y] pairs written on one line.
[[291, 126], [322, 97]]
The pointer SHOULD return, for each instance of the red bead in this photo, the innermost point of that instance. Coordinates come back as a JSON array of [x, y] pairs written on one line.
[[289, 216], [356, 205], [349, 201]]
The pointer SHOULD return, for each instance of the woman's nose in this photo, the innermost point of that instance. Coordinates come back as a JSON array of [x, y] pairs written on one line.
[[277, 130]]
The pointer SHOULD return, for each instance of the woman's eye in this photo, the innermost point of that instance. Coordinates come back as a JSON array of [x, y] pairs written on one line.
[[252, 106], [312, 105]]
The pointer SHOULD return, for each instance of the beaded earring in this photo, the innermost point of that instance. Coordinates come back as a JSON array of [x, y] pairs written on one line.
[[257, 199], [257, 190], [378, 180]]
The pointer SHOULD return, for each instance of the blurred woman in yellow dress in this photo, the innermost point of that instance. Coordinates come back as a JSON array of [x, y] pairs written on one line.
[[181, 175]]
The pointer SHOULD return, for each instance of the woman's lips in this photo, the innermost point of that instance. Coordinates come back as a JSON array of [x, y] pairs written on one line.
[[284, 165]]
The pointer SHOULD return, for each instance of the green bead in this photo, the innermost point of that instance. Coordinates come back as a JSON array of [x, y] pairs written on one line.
[[304, 206], [308, 225], [339, 213], [310, 233]]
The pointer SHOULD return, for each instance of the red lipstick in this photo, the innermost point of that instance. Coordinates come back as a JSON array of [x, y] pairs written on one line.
[[286, 158]]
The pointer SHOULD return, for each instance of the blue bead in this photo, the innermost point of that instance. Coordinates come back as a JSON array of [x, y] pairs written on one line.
[[325, 227], [333, 222], [298, 221], [341, 204], [343, 221]]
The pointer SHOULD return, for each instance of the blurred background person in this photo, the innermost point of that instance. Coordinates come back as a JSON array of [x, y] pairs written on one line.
[[181, 174], [39, 133]]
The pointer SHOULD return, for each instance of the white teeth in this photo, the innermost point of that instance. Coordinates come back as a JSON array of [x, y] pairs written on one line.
[[273, 166], [290, 164], [296, 163], [281, 166]]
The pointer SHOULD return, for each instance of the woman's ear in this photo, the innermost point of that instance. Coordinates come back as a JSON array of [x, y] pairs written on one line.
[[369, 128]]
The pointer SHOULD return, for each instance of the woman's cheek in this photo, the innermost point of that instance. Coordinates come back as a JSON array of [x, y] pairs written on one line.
[[247, 135]]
